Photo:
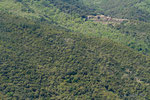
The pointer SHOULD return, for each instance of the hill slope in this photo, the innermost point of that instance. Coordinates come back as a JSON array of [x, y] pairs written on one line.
[[132, 9], [40, 61], [63, 14]]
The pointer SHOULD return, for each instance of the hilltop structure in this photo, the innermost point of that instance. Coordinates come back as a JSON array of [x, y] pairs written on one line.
[[104, 18]]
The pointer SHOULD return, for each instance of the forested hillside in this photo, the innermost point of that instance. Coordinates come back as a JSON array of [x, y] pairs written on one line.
[[49, 51], [59, 14], [38, 61], [132, 9]]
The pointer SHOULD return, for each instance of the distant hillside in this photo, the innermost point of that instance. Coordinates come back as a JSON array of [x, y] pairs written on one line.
[[40, 61], [61, 16], [139, 31], [132, 9], [48, 50]]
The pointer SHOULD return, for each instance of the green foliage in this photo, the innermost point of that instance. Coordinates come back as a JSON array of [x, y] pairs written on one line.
[[38, 10], [42, 61], [60, 15], [139, 31], [48, 51], [131, 9]]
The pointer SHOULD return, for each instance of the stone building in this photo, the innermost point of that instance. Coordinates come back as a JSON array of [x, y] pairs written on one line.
[[104, 18]]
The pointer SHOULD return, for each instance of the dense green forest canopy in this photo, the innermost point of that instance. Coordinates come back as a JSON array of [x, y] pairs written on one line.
[[132, 9], [49, 51], [61, 13], [42, 61]]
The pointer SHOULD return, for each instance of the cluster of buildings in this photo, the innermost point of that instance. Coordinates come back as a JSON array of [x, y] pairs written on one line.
[[104, 18]]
